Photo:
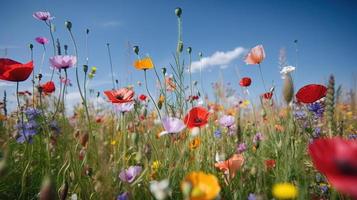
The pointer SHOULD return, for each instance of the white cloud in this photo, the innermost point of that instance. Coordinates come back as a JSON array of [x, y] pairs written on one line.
[[4, 84], [219, 58], [110, 24]]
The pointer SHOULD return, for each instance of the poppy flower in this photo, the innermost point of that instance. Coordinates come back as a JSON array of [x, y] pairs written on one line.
[[172, 125], [267, 95], [63, 61], [256, 55], [11, 70], [245, 82], [41, 40], [143, 97], [48, 87], [340, 166], [123, 95], [196, 117], [143, 64], [129, 175], [200, 186], [44, 16], [311, 93], [270, 164], [231, 165]]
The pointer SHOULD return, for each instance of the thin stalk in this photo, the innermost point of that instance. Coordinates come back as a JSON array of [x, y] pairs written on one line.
[[189, 69], [111, 65], [19, 110], [152, 99], [54, 46], [33, 80], [261, 76]]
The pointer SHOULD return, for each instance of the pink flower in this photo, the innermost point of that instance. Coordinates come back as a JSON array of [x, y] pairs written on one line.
[[63, 62], [66, 81], [44, 16], [41, 40], [255, 56]]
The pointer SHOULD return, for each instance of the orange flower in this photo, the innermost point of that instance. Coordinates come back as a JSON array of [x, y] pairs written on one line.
[[170, 85], [123, 95], [270, 164], [195, 143], [143, 64], [200, 186], [231, 165], [256, 55], [279, 128]]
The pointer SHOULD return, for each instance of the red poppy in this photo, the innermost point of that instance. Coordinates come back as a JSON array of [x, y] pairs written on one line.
[[123, 95], [196, 117], [11, 70], [270, 164], [143, 97], [311, 93], [336, 158], [245, 82], [48, 87], [267, 95]]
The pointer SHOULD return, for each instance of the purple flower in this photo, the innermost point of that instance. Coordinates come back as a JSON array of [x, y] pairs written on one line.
[[123, 196], [316, 108], [242, 147], [44, 16], [41, 40], [129, 175], [352, 136], [172, 125], [124, 107], [257, 138], [227, 121], [63, 62], [252, 196], [217, 133], [32, 113]]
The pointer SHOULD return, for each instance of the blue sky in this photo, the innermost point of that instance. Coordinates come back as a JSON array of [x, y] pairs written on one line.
[[325, 29]]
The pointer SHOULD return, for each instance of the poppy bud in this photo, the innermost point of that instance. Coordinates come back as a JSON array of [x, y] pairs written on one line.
[[179, 46], [288, 88], [31, 46], [178, 11], [63, 190], [87, 31], [48, 190], [39, 76], [65, 47], [189, 50], [200, 54], [84, 139], [68, 25], [163, 70], [85, 68], [136, 50]]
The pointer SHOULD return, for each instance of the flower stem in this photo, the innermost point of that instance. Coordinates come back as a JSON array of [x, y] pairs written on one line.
[[261, 76], [147, 89], [111, 65]]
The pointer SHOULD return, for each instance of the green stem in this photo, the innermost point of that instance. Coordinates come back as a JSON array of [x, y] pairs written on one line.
[[152, 99]]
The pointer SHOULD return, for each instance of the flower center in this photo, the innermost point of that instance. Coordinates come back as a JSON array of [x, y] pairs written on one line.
[[198, 120], [119, 97], [346, 168]]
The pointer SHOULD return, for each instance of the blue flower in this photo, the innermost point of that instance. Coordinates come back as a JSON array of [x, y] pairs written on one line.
[[252, 196], [217, 133], [123, 196]]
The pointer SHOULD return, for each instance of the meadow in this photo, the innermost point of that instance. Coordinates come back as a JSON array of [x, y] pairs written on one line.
[[178, 143]]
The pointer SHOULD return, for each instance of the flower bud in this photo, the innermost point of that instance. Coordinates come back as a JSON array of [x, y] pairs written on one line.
[[68, 25], [136, 50], [87, 31], [178, 11], [179, 46], [63, 191], [189, 50], [85, 68], [163, 70], [200, 54], [48, 190], [31, 46]]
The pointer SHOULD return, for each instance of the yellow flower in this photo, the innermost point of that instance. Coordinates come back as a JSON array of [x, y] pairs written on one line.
[[285, 191], [195, 143], [94, 70], [244, 104], [155, 165], [143, 64], [114, 142], [200, 186]]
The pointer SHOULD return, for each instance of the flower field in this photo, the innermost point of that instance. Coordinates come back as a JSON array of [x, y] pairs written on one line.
[[165, 137]]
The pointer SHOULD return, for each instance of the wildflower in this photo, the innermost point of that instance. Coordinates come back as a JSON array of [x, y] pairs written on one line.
[[44, 16], [170, 84], [279, 127], [196, 117], [200, 186], [48, 87], [41, 40], [245, 82], [195, 143], [244, 104], [317, 108], [340, 166], [285, 191], [252, 196], [124, 107], [11, 70], [123, 95], [123, 196], [65, 81], [311, 93], [257, 138], [270, 164], [160, 189], [267, 95], [144, 64], [255, 56], [220, 156], [113, 142], [129, 175], [143, 97], [227, 121], [242, 147], [155, 165], [172, 125], [217, 133], [230, 166], [63, 61]]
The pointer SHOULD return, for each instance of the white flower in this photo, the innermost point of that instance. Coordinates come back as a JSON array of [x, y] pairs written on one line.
[[160, 189], [195, 131]]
